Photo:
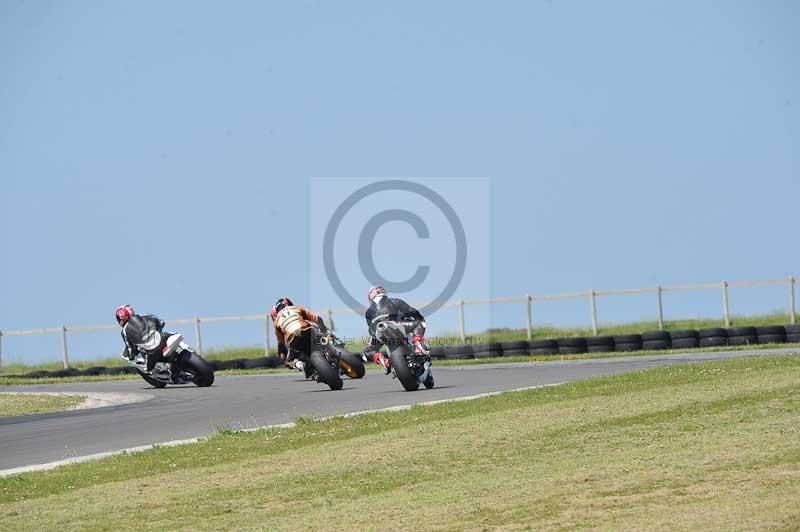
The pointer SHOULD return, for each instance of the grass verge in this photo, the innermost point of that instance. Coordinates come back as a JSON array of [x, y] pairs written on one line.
[[22, 404], [712, 446]]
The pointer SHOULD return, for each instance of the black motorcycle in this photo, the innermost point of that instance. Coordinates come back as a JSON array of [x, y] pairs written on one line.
[[409, 368], [328, 360], [179, 364]]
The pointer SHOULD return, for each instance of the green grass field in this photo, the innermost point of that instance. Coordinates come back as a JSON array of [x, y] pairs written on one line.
[[701, 446], [13, 404]]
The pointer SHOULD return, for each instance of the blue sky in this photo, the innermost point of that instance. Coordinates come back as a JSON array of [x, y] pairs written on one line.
[[149, 150]]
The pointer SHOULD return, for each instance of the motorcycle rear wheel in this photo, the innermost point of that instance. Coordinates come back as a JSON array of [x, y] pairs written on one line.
[[401, 369], [352, 365], [326, 373]]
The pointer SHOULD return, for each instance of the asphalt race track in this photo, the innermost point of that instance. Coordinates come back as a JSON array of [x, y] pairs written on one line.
[[246, 401]]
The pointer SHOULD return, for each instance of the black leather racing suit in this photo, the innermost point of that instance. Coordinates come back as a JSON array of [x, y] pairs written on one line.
[[143, 334], [392, 309]]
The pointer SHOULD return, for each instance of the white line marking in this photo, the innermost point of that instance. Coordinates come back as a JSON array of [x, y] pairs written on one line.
[[175, 443]]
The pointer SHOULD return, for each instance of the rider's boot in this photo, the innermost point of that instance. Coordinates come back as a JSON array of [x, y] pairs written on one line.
[[420, 347], [382, 360]]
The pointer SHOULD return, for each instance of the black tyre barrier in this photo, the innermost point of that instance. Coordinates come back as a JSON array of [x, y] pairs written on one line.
[[650, 336], [627, 342], [458, 352], [686, 343], [714, 341], [742, 340], [656, 345], [680, 339], [712, 332], [713, 337], [742, 336], [437, 352], [599, 344], [515, 348], [256, 363], [543, 347], [771, 334], [656, 340], [69, 372], [487, 350], [119, 370], [741, 331], [680, 334], [37, 374], [772, 339], [792, 333], [571, 346], [771, 329]]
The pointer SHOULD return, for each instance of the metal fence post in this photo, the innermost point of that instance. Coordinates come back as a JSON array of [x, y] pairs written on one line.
[[593, 301], [330, 320], [528, 315], [266, 335], [461, 320], [197, 340], [792, 311], [64, 346], [660, 309], [725, 313], [1, 349]]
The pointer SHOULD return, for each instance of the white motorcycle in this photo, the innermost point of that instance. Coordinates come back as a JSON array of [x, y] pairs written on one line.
[[179, 365]]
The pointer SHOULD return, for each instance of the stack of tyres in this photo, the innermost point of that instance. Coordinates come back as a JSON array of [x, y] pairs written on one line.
[[655, 340], [771, 334], [487, 350], [571, 346], [792, 333], [628, 342], [684, 339], [438, 352], [713, 337], [599, 344], [742, 336], [543, 347], [515, 348], [458, 352]]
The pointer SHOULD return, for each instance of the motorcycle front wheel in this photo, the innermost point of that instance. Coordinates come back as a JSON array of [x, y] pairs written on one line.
[[326, 373], [151, 381]]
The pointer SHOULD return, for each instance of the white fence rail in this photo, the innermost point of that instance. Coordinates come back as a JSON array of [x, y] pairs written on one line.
[[527, 300]]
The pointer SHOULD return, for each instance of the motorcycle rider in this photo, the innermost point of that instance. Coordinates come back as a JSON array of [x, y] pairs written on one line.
[[144, 334], [294, 331], [383, 308]]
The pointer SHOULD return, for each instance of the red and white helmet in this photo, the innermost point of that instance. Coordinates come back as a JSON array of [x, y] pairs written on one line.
[[123, 314], [375, 291]]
